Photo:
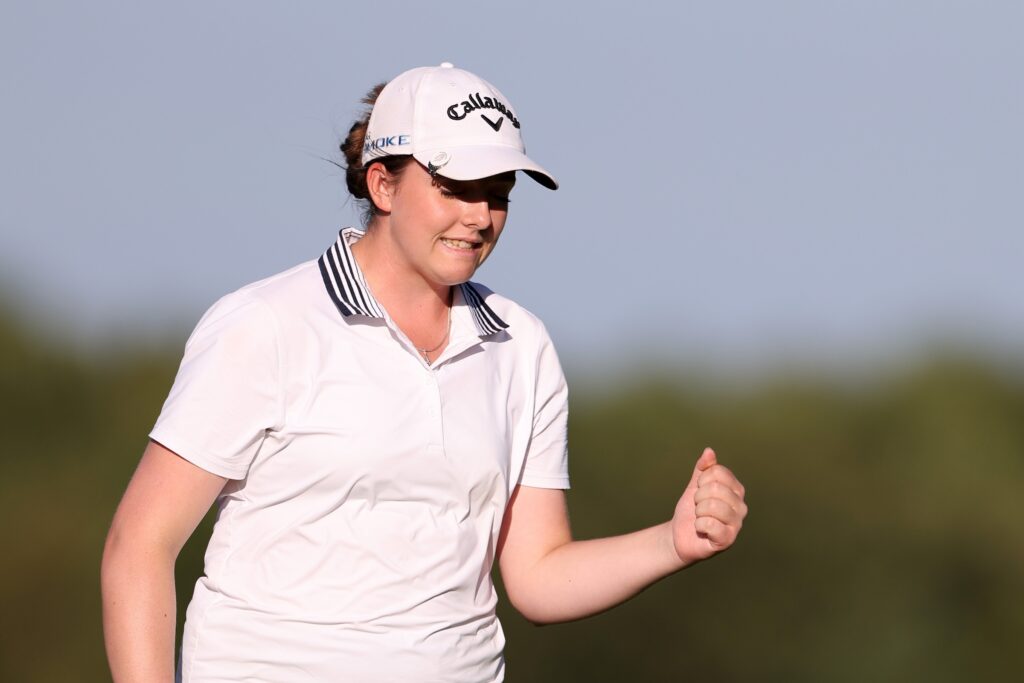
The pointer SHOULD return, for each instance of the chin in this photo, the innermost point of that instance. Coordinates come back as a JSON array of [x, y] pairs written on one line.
[[456, 273], [459, 279]]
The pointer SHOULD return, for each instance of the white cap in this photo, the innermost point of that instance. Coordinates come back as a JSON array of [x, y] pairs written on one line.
[[454, 123]]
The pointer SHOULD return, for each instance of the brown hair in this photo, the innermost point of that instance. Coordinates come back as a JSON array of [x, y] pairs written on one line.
[[352, 149]]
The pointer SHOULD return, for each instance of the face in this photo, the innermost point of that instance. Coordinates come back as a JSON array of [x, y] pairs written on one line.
[[445, 229]]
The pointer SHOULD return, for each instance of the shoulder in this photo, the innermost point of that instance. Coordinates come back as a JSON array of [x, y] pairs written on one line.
[[263, 308], [295, 287], [278, 294], [522, 324]]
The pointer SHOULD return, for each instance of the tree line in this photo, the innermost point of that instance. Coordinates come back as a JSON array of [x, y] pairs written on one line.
[[885, 539]]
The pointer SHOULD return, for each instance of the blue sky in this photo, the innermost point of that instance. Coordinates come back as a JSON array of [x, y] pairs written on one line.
[[743, 183]]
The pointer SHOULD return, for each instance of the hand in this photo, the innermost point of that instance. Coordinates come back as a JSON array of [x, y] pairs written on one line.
[[710, 513]]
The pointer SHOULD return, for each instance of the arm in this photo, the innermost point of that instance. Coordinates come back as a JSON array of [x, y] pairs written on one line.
[[551, 578], [165, 501]]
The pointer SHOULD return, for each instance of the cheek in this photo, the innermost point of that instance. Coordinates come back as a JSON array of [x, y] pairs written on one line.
[[419, 204], [497, 225], [498, 219]]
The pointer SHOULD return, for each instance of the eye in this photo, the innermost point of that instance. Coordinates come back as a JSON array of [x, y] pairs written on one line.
[[496, 194], [450, 188], [499, 193]]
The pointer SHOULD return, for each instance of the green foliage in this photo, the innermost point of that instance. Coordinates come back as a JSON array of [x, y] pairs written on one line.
[[884, 540]]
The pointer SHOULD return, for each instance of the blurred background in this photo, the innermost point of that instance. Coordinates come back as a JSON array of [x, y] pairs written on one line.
[[792, 231]]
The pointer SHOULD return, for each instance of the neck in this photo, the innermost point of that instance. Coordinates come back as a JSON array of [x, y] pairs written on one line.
[[401, 290], [421, 309]]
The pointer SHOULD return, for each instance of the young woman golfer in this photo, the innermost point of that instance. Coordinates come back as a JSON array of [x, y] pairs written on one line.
[[377, 431]]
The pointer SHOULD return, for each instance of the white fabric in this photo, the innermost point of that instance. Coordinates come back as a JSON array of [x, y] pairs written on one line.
[[356, 540], [453, 122]]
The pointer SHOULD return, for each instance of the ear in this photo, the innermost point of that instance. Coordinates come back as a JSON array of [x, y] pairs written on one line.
[[380, 184]]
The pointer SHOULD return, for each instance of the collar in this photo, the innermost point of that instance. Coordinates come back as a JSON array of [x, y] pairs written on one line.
[[348, 290]]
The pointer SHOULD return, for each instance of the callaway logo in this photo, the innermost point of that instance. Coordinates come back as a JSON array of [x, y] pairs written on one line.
[[492, 124], [474, 102]]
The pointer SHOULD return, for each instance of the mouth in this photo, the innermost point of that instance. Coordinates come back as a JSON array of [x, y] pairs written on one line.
[[461, 244]]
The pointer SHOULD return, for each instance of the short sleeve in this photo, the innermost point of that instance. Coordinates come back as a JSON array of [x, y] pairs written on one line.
[[226, 395], [547, 458]]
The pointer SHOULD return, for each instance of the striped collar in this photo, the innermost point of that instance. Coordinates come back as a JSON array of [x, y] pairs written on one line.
[[348, 290]]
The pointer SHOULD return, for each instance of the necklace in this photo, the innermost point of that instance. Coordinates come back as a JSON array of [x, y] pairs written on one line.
[[448, 330]]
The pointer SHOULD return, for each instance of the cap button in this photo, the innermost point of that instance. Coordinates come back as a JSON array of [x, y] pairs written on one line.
[[447, 65]]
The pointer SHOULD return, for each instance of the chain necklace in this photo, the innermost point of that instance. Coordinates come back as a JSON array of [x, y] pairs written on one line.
[[448, 330]]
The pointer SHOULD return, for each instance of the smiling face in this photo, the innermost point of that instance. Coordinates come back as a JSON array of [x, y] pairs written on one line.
[[442, 230]]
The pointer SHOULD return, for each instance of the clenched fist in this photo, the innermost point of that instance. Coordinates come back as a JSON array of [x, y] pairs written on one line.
[[710, 513]]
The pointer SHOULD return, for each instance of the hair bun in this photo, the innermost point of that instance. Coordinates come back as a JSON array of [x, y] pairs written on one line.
[[352, 147]]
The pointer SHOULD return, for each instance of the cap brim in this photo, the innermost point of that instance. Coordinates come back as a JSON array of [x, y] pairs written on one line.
[[473, 163]]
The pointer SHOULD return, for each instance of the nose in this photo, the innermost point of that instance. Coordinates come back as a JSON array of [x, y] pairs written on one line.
[[477, 213]]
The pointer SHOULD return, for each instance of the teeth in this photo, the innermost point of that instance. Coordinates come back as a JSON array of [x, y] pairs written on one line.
[[460, 244]]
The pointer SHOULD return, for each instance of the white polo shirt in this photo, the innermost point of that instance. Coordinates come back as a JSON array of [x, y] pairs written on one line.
[[356, 540]]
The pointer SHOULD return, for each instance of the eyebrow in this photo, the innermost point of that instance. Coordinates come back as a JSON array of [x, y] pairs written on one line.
[[500, 181]]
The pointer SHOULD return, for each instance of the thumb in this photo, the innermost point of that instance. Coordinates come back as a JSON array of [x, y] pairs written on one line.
[[706, 460]]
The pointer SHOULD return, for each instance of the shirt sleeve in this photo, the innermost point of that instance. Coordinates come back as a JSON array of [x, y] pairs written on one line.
[[547, 458], [227, 394]]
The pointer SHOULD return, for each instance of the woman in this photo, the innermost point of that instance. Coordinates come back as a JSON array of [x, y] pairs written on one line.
[[376, 431]]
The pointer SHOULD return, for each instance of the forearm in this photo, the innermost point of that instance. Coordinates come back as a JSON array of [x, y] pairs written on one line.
[[581, 578], [138, 613], [165, 500]]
